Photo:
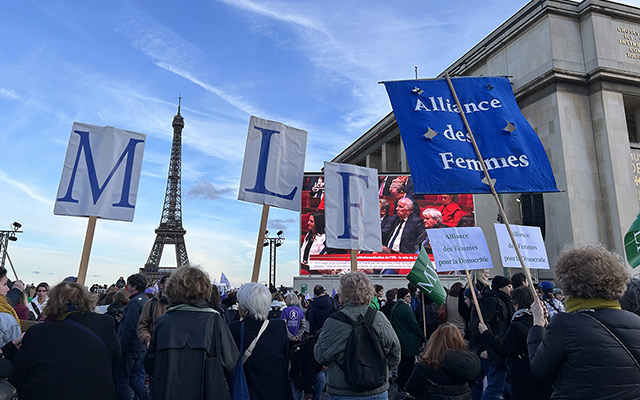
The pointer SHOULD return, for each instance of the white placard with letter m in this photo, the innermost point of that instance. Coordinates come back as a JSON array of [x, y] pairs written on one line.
[[101, 173]]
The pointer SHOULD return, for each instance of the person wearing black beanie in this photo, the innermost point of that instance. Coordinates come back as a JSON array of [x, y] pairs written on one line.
[[498, 282]]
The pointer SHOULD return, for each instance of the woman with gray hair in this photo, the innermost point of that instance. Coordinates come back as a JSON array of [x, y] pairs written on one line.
[[593, 350], [293, 316], [264, 342], [356, 293]]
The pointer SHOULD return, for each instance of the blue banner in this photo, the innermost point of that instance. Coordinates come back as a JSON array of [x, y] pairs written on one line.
[[439, 149]]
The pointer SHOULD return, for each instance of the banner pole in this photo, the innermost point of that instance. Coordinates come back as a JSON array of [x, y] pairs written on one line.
[[473, 296], [260, 243], [354, 260], [11, 263], [424, 316], [86, 249], [493, 189]]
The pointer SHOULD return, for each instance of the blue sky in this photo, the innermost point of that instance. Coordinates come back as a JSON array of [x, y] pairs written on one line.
[[314, 65]]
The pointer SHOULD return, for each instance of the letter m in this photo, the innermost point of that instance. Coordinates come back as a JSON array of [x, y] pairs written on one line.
[[96, 188]]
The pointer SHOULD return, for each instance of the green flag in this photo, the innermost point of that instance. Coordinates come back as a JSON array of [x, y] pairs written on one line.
[[632, 243], [424, 276]]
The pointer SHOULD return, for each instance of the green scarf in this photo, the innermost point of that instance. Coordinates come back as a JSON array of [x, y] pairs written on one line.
[[574, 304]]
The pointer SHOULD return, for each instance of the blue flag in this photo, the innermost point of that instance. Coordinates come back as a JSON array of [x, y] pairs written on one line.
[[225, 281], [439, 149]]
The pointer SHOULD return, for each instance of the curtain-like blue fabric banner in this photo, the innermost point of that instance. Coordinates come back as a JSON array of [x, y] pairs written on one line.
[[440, 152]]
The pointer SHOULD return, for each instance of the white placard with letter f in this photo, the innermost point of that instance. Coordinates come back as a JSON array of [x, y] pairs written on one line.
[[351, 207]]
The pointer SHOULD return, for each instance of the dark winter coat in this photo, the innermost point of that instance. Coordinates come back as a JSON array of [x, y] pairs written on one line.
[[386, 308], [61, 361], [127, 330], [497, 310], [304, 366], [266, 369], [514, 347], [406, 326], [451, 382], [319, 310], [182, 339], [581, 360]]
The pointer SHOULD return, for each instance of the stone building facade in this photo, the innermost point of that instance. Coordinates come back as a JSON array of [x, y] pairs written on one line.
[[575, 71]]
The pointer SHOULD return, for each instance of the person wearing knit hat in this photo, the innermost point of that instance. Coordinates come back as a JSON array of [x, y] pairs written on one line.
[[498, 282]]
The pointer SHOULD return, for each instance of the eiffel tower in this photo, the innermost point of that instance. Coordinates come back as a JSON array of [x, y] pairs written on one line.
[[170, 230]]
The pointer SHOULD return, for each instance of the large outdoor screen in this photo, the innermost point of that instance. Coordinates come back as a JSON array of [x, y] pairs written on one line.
[[401, 237]]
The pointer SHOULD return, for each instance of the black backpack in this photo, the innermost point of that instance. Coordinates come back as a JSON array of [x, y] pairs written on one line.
[[365, 364], [274, 313]]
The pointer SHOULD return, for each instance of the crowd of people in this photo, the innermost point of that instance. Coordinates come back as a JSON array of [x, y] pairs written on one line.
[[179, 339]]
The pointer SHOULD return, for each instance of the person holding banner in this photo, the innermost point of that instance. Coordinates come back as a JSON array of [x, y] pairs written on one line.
[[405, 324], [593, 350]]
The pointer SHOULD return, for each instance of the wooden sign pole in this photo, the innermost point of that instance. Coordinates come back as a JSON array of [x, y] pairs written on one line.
[[354, 260], [86, 250], [473, 296], [260, 243], [492, 187]]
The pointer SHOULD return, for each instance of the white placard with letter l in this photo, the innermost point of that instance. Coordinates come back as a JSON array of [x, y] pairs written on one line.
[[352, 212], [529, 241], [273, 165], [457, 249], [101, 173]]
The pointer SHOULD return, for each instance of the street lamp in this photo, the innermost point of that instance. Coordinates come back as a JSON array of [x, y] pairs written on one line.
[[273, 243], [5, 237]]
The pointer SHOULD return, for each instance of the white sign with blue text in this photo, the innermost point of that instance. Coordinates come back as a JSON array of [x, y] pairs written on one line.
[[529, 241], [101, 173], [457, 249], [352, 213], [273, 165]]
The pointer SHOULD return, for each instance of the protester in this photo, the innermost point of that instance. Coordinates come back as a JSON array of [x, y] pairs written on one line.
[[9, 322], [457, 311], [22, 309], [445, 368], [266, 367], [293, 316], [514, 347], [356, 294], [391, 301], [630, 300], [409, 334], [71, 355], [307, 378], [497, 309], [377, 300], [151, 311], [215, 301], [117, 306], [36, 305], [518, 279], [319, 309], [553, 305], [129, 373], [277, 305], [592, 350], [231, 307], [188, 340]]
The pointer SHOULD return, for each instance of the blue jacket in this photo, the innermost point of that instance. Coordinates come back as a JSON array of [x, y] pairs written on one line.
[[129, 323]]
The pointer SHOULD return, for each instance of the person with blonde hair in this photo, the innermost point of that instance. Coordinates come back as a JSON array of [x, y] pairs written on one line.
[[69, 356], [356, 293], [445, 368], [188, 339], [266, 364], [591, 351]]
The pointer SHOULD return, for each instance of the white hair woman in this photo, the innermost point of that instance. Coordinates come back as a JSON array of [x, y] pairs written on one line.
[[266, 367]]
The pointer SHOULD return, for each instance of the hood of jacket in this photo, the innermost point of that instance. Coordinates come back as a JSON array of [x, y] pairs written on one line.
[[323, 302], [462, 365]]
